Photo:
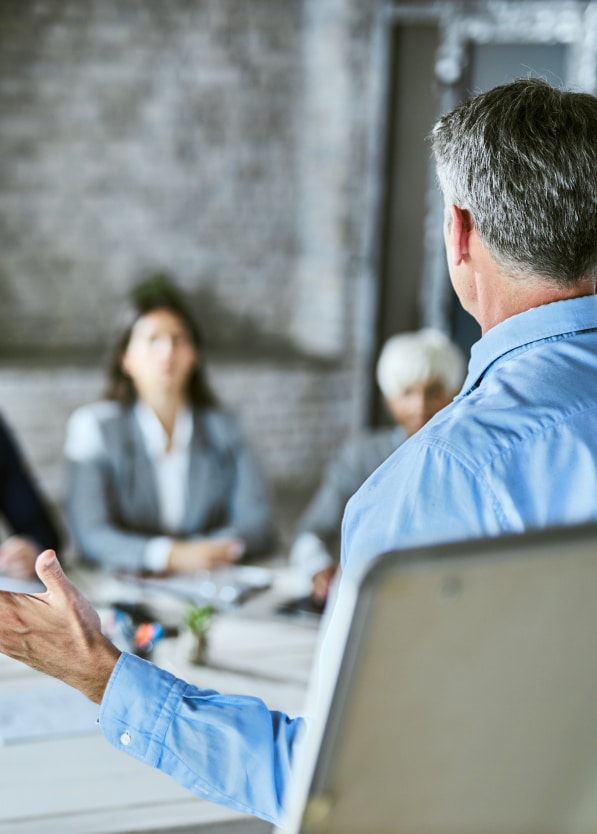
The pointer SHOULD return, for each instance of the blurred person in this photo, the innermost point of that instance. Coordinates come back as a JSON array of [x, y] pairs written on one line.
[[24, 511], [160, 478], [418, 374]]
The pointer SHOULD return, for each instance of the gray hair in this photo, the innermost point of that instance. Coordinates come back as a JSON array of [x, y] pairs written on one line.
[[411, 358], [522, 159]]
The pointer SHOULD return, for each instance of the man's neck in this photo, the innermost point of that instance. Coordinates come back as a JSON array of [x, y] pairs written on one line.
[[486, 292], [521, 294]]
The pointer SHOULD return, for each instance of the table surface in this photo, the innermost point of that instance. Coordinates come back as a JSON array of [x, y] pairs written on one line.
[[80, 784]]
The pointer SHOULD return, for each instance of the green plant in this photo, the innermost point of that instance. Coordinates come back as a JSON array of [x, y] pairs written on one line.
[[198, 618]]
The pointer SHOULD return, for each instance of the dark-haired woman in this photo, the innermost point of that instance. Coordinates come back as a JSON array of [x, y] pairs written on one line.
[[160, 478]]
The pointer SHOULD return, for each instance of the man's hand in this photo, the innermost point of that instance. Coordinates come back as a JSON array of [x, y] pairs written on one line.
[[57, 632], [17, 557], [204, 554]]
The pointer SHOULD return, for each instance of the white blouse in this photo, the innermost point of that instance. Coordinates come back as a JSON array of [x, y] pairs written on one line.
[[84, 441]]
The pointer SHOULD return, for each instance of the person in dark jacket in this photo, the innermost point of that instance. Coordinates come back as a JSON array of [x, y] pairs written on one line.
[[23, 510]]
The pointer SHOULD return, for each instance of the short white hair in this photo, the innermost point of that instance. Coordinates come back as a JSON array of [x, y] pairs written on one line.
[[412, 358]]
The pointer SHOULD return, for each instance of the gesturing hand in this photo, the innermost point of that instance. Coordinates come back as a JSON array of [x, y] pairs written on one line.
[[57, 632]]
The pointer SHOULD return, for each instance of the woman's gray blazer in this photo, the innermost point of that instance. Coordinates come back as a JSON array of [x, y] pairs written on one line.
[[112, 500]]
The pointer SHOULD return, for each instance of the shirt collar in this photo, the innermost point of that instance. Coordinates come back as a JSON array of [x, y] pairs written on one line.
[[154, 435], [544, 322]]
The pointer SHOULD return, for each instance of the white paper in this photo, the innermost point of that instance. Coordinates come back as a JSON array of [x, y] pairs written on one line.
[[21, 586], [45, 710], [223, 588]]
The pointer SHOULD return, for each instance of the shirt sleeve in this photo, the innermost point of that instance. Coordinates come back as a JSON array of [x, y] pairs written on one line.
[[308, 553], [155, 555], [442, 499], [83, 436], [229, 749]]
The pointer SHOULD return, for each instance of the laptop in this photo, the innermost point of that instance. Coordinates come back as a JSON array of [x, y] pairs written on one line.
[[461, 694]]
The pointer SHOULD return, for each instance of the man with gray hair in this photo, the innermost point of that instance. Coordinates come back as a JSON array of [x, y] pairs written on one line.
[[517, 449]]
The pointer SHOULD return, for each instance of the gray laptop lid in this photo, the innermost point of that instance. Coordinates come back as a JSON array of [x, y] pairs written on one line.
[[465, 695]]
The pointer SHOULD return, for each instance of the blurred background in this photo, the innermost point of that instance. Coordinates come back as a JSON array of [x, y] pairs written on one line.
[[271, 157]]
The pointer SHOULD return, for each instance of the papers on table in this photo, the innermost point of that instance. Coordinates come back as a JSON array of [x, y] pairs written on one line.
[[21, 586], [223, 588], [45, 710]]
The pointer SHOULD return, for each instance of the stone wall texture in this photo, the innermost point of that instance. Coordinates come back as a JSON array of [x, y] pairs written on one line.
[[224, 141]]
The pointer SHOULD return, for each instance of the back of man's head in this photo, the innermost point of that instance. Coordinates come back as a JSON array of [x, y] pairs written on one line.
[[522, 159]]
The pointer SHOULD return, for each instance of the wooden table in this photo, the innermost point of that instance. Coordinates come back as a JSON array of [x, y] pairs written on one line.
[[80, 784]]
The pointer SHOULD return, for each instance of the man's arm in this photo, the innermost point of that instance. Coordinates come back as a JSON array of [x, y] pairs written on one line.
[[229, 749]]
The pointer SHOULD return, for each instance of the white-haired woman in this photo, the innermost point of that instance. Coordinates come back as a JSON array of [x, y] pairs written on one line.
[[418, 374]]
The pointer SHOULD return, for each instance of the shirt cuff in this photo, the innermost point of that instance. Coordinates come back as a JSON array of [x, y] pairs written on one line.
[[137, 707], [309, 555], [157, 551], [83, 436]]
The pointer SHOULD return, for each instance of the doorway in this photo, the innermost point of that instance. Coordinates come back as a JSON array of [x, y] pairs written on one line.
[[438, 55]]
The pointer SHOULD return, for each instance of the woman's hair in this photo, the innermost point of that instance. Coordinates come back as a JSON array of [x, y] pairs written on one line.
[[156, 293], [414, 358]]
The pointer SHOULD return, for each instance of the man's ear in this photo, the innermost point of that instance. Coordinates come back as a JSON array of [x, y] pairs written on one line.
[[459, 230]]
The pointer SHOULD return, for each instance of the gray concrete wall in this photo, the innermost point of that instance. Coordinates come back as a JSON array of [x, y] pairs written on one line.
[[225, 141]]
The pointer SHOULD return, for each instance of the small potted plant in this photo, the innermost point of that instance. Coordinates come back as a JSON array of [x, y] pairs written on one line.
[[198, 619]]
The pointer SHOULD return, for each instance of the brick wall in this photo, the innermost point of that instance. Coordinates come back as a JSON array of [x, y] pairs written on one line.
[[225, 141]]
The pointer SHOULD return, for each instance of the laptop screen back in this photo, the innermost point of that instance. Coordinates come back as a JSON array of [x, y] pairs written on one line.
[[466, 698]]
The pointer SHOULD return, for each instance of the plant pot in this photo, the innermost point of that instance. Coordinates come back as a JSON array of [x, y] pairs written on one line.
[[198, 655]]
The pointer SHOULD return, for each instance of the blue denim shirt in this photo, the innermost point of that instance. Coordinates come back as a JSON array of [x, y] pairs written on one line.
[[517, 449], [229, 749]]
